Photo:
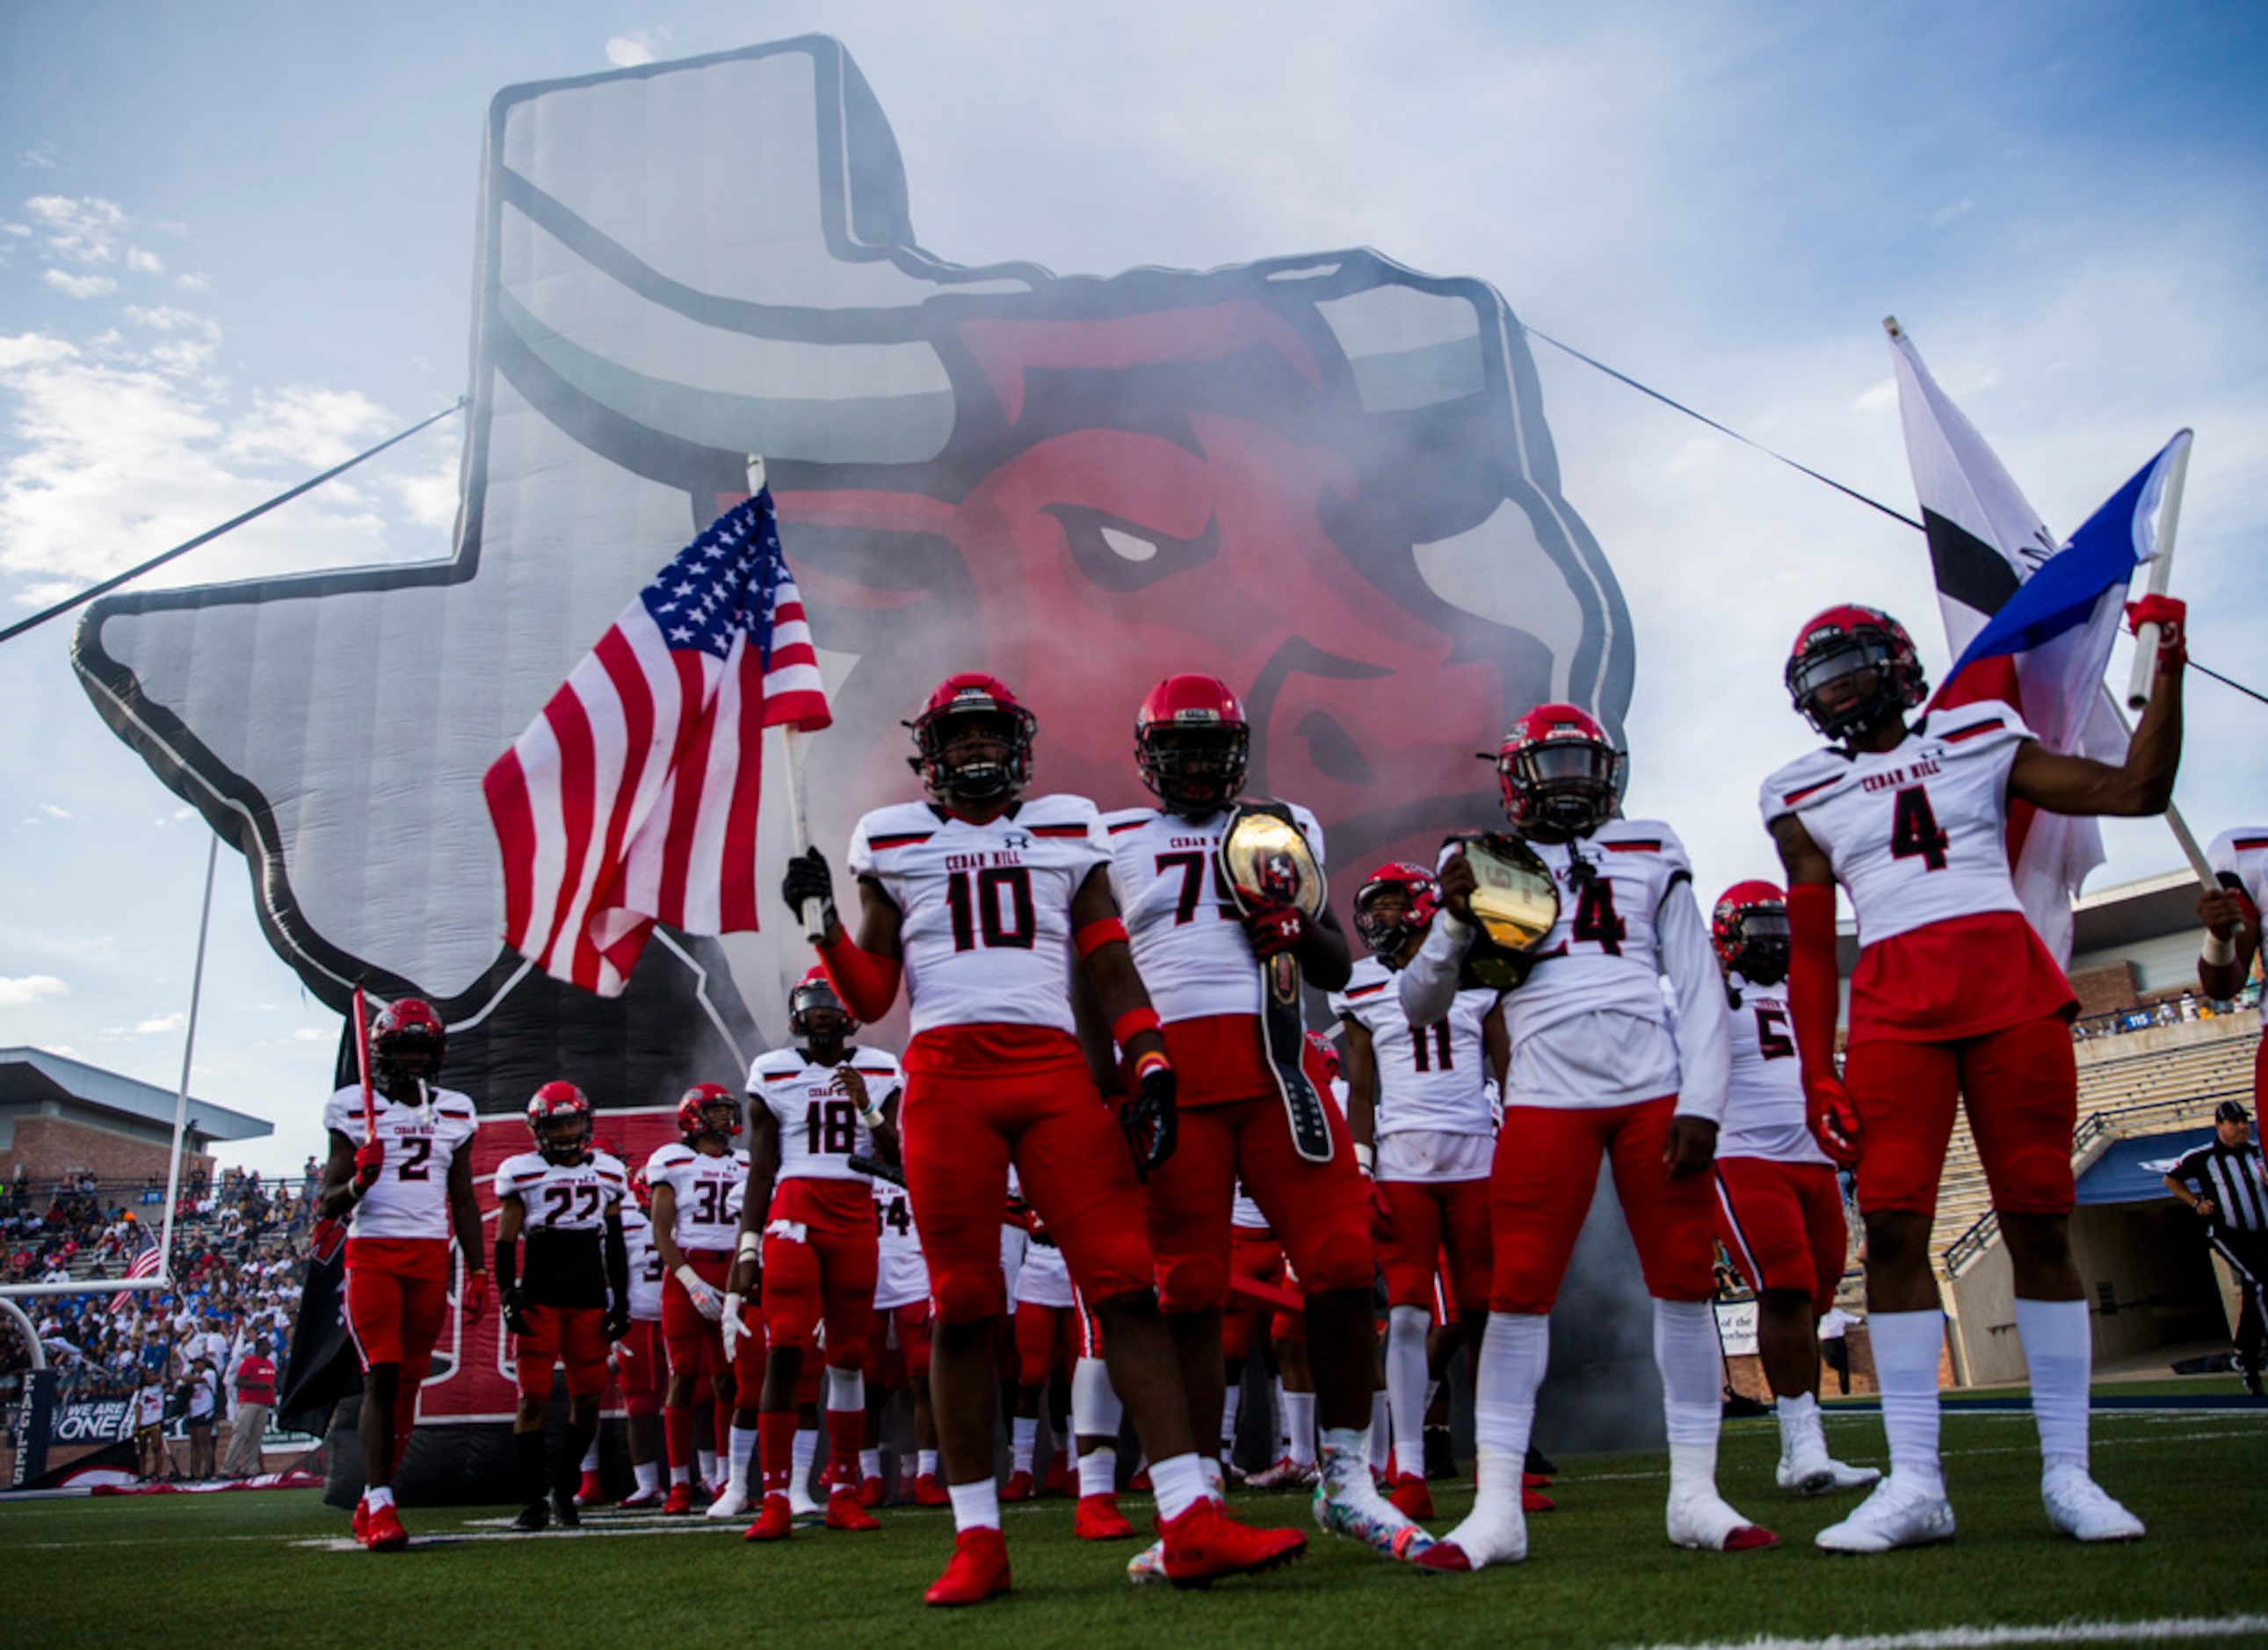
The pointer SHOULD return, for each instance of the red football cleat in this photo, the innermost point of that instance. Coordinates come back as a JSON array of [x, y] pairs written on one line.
[[1018, 1487], [1412, 1499], [979, 1570], [1537, 1501], [680, 1499], [1533, 1481], [591, 1492], [638, 1499], [871, 1493], [1205, 1544], [929, 1493], [362, 1522], [843, 1512], [775, 1522], [1140, 1482], [1444, 1555], [1097, 1517], [1058, 1478], [384, 1532], [1750, 1538]]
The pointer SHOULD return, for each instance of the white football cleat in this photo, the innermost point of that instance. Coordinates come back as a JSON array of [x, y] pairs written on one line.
[[1149, 1564], [1496, 1537], [1816, 1472], [1895, 1516], [731, 1502], [1703, 1520], [2078, 1507], [800, 1504]]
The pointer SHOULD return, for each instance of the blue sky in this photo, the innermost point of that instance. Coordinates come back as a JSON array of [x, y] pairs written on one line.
[[236, 245]]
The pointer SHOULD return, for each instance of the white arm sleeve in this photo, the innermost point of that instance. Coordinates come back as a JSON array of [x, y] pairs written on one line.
[[1429, 984], [1704, 1041]]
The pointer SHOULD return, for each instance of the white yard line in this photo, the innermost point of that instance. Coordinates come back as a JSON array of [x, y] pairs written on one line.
[[2163, 1630]]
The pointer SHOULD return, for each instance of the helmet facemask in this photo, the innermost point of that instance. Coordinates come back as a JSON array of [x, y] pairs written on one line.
[[971, 778], [1195, 771], [1561, 787]]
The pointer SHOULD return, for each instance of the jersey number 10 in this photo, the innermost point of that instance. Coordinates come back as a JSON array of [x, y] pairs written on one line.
[[976, 904]]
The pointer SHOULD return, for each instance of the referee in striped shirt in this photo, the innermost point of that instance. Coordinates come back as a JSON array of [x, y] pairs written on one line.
[[2225, 1184]]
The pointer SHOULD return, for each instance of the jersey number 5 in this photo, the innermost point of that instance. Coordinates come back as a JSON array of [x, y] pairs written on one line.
[[1914, 832], [976, 904], [1772, 1039]]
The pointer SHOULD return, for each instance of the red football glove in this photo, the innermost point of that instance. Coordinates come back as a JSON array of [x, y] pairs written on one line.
[[1381, 1213], [1834, 1119], [476, 1301], [2170, 615], [370, 1160], [1272, 929]]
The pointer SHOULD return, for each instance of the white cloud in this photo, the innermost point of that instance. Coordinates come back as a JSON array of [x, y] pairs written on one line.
[[430, 498], [52, 812], [307, 426], [81, 285], [308, 1034], [1945, 215], [39, 157], [144, 262], [33, 348], [628, 51], [30, 987], [78, 230], [162, 1024], [193, 282]]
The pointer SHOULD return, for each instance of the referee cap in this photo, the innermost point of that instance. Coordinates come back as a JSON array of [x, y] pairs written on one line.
[[2231, 1111]]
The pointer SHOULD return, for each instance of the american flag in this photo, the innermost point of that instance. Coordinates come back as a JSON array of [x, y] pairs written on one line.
[[631, 798], [143, 1265]]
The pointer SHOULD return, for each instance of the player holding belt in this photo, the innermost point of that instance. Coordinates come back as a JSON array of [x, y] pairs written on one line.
[[404, 1191], [1953, 995], [810, 1218], [1197, 954], [573, 1298], [985, 901]]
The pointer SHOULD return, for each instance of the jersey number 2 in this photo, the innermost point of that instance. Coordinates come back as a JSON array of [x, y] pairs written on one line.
[[977, 908]]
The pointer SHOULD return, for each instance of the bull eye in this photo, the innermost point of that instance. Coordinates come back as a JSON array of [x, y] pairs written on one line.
[[1332, 750], [1122, 555]]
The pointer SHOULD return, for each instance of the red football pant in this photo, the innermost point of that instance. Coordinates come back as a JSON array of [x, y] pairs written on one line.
[[697, 1346], [641, 1368], [899, 1348], [962, 1127], [1436, 1222], [2021, 1088], [1546, 1167], [1320, 1212], [749, 1355], [397, 1296], [1047, 1339], [572, 1336], [1782, 1223], [828, 1272], [1257, 1257]]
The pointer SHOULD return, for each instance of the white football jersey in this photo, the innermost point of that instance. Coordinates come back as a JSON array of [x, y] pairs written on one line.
[[1245, 1212], [562, 1196], [2244, 854], [645, 1265], [1181, 915], [819, 1126], [1918, 834], [1045, 1280], [986, 933], [410, 1197], [901, 1274], [1764, 1111], [709, 1191], [1433, 1079]]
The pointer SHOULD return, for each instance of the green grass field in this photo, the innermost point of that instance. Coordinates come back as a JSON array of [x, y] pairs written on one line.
[[261, 1569]]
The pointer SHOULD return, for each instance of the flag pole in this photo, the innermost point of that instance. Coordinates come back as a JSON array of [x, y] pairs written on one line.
[[798, 816], [2174, 822], [2161, 572], [188, 1050]]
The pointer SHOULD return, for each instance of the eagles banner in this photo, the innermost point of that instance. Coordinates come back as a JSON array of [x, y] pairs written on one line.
[[1325, 478]]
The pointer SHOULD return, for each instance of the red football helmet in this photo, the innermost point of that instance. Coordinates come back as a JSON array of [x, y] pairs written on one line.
[[814, 993], [559, 1117], [1749, 930], [409, 1039], [1845, 642], [1395, 901], [1557, 772], [1326, 1053], [1192, 743], [641, 1189], [709, 1109], [972, 693]]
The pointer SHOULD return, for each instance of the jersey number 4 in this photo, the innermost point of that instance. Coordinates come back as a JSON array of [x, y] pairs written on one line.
[[1914, 832], [977, 907]]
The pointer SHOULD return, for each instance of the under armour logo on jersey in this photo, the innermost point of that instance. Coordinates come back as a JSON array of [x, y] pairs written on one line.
[[1018, 839]]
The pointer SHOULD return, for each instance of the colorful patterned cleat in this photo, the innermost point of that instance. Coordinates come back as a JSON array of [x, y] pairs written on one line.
[[1376, 1522]]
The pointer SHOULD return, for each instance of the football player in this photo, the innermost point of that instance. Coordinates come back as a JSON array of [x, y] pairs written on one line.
[[1202, 946], [642, 1353], [1600, 1067], [902, 1316], [1779, 1210], [2231, 916], [404, 1193], [1954, 997], [1047, 1324], [699, 1181], [808, 1219], [981, 899], [572, 1299], [1425, 1130]]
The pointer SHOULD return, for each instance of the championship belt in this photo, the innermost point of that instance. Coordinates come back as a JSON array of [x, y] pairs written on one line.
[[1262, 854], [1515, 903]]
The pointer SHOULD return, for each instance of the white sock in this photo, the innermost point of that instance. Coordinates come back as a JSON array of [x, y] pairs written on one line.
[[1179, 1484], [870, 1463], [1300, 1427], [1381, 1432], [1405, 1385], [1095, 1410], [591, 1456], [1231, 1403], [679, 1475], [806, 1449], [1027, 1438], [1906, 1348], [1799, 1425], [2059, 1346], [648, 1476], [707, 1460], [1216, 1476], [925, 1463], [1098, 1471], [378, 1495], [744, 1449], [976, 1506], [1692, 1364], [846, 1389], [906, 1469], [1514, 1352]]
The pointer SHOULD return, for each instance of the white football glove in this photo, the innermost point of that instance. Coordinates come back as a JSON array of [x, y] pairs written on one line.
[[730, 1324], [708, 1299]]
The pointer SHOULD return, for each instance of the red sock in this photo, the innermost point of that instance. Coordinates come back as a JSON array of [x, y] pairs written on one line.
[[677, 1433], [776, 1448], [846, 1431]]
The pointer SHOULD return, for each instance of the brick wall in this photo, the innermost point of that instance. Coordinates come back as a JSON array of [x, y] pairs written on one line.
[[50, 1147], [2100, 990]]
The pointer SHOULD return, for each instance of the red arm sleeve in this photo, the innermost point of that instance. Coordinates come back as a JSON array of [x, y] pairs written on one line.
[[866, 984], [1814, 988]]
